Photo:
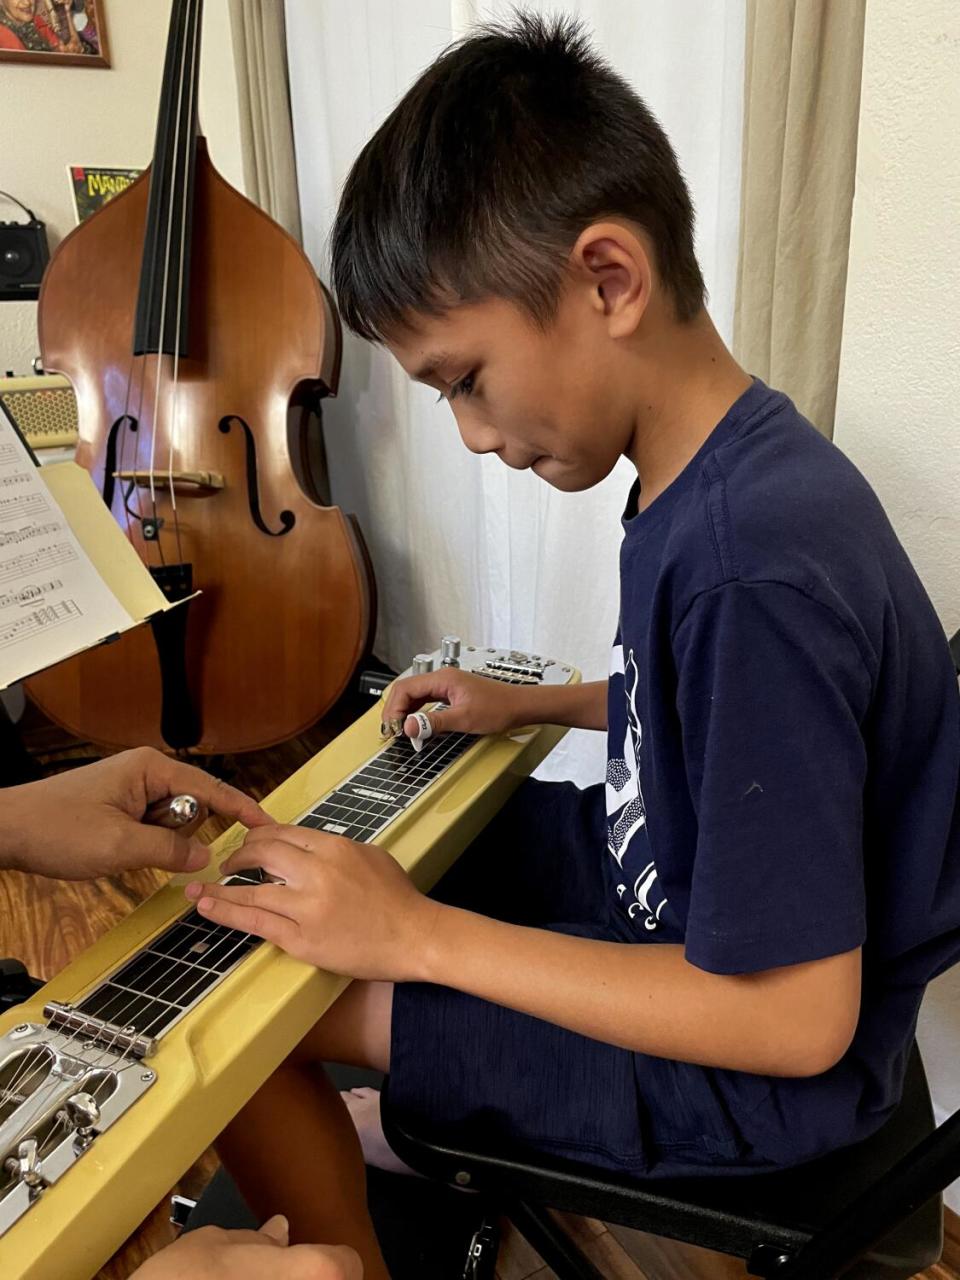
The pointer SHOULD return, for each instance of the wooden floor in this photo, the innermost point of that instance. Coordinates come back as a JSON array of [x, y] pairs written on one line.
[[45, 923]]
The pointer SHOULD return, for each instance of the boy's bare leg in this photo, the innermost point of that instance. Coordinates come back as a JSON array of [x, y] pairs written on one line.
[[293, 1149]]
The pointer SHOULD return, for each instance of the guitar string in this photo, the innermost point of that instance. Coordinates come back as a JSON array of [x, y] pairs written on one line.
[[443, 746], [434, 753]]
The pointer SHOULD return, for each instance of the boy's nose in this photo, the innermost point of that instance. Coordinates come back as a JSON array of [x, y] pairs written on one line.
[[480, 437]]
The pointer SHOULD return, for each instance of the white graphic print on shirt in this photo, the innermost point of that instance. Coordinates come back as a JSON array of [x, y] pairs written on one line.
[[626, 812]]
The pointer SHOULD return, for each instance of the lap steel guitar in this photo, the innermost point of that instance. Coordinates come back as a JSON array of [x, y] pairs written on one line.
[[119, 1072]]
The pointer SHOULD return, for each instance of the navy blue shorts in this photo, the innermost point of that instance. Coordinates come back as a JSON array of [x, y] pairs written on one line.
[[466, 1066]]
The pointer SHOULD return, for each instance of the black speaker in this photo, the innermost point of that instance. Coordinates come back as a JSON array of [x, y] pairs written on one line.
[[23, 257]]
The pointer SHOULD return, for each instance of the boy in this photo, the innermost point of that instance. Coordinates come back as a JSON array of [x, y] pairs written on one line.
[[714, 963]]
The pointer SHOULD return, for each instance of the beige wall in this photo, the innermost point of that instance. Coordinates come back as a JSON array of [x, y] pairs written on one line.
[[55, 116], [898, 407]]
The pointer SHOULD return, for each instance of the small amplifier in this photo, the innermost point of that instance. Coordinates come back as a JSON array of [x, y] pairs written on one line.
[[24, 255], [43, 408]]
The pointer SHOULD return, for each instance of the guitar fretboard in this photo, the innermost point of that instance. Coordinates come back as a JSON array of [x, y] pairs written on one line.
[[172, 972], [370, 799], [180, 966]]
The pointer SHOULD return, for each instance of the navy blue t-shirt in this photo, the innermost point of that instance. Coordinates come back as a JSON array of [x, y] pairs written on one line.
[[784, 751]]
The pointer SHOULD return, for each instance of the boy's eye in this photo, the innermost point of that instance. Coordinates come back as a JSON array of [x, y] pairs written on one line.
[[462, 388]]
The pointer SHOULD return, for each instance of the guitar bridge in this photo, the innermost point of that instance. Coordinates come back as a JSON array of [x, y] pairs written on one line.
[[126, 1041]]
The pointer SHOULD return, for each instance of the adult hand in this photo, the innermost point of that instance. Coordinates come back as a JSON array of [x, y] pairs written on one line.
[[475, 704], [343, 906], [88, 822], [213, 1254]]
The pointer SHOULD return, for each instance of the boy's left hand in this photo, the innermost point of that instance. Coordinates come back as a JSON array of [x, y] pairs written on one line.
[[343, 906]]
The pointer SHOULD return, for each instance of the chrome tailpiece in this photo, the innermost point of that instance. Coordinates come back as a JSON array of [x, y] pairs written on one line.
[[59, 1090]]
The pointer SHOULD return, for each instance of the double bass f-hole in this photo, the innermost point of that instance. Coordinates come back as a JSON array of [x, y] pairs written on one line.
[[110, 459], [205, 482], [287, 518]]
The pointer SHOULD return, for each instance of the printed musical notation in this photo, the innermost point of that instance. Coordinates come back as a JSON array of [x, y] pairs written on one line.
[[53, 602], [37, 620], [30, 593], [33, 561], [28, 532], [23, 505]]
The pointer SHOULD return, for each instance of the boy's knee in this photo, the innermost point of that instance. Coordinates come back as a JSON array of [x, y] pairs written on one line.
[[355, 1031]]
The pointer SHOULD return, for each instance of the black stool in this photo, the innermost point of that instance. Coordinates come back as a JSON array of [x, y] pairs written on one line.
[[878, 1201]]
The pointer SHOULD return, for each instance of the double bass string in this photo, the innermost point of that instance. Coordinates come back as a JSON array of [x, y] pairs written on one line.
[[168, 249], [124, 433], [141, 364], [175, 413]]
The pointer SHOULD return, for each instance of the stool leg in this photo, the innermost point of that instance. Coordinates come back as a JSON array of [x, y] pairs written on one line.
[[551, 1242], [916, 1178]]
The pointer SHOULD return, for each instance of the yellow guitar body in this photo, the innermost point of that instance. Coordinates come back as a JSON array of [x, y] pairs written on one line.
[[218, 1054]]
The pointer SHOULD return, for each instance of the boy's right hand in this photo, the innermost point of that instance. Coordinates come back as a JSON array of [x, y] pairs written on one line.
[[475, 704]]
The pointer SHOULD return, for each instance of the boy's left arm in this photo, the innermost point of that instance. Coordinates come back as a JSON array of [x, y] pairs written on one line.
[[796, 1020]]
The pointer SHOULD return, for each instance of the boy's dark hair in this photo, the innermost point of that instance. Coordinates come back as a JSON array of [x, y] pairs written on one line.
[[482, 178]]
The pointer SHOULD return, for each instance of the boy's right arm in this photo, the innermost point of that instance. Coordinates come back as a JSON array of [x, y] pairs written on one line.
[[477, 704]]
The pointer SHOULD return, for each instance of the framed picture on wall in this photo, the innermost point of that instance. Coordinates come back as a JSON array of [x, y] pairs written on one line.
[[71, 32]]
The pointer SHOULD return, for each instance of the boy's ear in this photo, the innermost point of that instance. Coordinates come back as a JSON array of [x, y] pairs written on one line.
[[615, 265]]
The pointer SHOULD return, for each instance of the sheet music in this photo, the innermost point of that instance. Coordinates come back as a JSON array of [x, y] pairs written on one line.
[[53, 602]]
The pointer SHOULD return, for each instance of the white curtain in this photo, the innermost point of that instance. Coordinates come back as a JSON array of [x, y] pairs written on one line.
[[461, 544]]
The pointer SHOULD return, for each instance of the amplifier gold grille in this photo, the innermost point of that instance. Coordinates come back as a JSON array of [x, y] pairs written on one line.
[[44, 408]]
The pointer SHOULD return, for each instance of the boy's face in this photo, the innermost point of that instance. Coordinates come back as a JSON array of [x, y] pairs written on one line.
[[552, 400]]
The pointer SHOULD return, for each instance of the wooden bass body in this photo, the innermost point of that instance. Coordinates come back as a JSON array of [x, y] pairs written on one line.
[[286, 595], [99, 1172]]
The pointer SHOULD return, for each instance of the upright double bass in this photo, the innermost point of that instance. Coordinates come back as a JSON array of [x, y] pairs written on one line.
[[199, 340]]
